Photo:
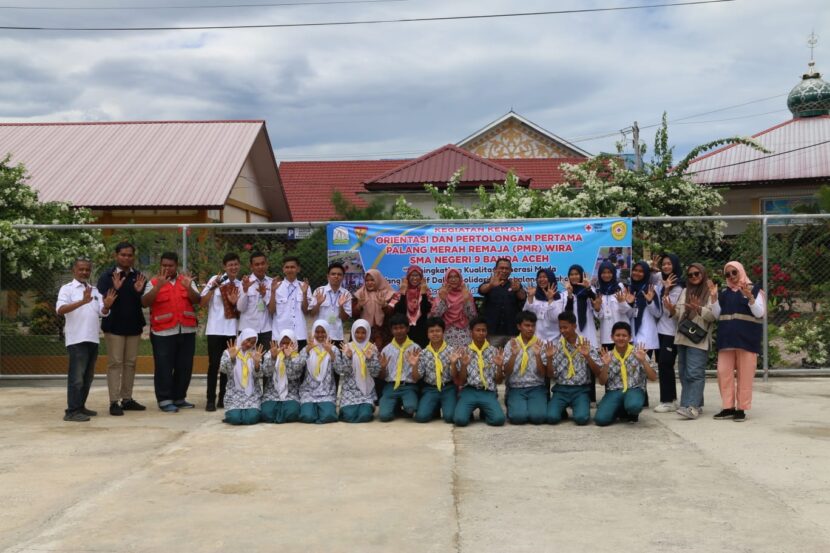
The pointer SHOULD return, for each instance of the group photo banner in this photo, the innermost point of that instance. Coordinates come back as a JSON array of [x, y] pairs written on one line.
[[474, 248]]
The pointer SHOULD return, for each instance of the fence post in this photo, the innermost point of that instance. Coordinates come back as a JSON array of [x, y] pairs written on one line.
[[764, 282], [184, 248]]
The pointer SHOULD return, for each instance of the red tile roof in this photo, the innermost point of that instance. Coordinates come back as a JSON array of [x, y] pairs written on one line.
[[437, 167], [309, 185], [800, 149], [132, 164]]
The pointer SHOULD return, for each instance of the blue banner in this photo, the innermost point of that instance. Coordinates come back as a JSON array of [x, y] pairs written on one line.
[[474, 248]]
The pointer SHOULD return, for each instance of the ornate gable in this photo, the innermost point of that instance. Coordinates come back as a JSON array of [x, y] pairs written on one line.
[[512, 136]]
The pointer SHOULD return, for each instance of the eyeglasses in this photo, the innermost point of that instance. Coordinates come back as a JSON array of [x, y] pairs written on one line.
[[693, 274], [733, 272]]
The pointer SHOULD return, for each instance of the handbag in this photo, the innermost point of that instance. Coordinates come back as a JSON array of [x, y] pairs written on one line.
[[692, 330]]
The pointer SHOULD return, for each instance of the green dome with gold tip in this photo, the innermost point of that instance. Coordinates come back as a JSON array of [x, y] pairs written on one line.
[[810, 97]]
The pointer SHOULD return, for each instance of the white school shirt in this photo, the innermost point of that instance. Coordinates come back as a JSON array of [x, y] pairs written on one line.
[[82, 324], [610, 312], [289, 315], [253, 308], [647, 333], [666, 324], [590, 330], [217, 324], [330, 309], [547, 317]]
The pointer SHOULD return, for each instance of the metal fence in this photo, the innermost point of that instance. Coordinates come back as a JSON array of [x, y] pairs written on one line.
[[788, 254]]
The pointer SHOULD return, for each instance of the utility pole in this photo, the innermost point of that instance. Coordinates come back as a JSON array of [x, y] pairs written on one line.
[[638, 159]]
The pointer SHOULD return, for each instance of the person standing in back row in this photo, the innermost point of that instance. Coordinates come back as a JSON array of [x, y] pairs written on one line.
[[503, 297], [290, 301], [122, 330]]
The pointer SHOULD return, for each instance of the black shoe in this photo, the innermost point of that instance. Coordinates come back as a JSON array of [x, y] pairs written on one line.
[[740, 416], [132, 405], [724, 414], [633, 418], [221, 403], [115, 409], [210, 406], [88, 412], [77, 416], [183, 404]]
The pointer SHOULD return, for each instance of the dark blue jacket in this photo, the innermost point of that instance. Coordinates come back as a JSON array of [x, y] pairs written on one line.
[[737, 326], [126, 317]]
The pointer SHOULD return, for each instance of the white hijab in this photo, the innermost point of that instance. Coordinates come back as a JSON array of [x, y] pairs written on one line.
[[281, 380], [248, 387], [311, 365], [365, 385]]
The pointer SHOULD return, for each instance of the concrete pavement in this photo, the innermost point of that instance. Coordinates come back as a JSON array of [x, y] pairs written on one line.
[[149, 481]]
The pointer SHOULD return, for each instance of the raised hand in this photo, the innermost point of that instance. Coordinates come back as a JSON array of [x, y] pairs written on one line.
[[328, 346], [442, 293], [629, 296], [403, 287], [649, 295], [655, 262], [515, 285], [343, 299], [109, 299], [371, 351], [384, 361], [584, 346], [319, 297], [232, 349], [499, 358], [246, 283], [346, 349], [465, 294], [140, 282], [494, 279], [413, 356], [550, 292], [262, 289], [424, 288], [275, 348], [162, 278], [531, 294], [289, 349], [597, 303], [605, 356], [304, 287], [621, 296], [586, 281], [185, 280], [87, 293], [746, 290], [214, 280], [569, 288], [713, 290], [667, 303], [640, 352], [233, 295], [117, 280], [537, 347], [257, 355], [550, 348], [465, 356], [455, 355], [670, 281], [275, 283]]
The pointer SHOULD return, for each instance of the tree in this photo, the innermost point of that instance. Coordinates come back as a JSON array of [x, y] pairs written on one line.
[[24, 252]]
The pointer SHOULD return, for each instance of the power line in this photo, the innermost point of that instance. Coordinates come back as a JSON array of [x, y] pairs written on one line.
[[764, 158], [199, 7], [364, 22], [728, 118]]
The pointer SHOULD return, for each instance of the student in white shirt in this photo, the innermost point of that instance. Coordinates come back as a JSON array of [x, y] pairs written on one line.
[[81, 305], [255, 298], [220, 295], [290, 302], [333, 303]]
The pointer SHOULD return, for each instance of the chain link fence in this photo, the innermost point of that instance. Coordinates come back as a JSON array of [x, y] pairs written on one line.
[[789, 255]]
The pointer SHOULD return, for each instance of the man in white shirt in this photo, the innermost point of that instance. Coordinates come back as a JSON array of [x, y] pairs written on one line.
[[333, 303], [255, 298], [290, 303], [220, 295], [81, 305]]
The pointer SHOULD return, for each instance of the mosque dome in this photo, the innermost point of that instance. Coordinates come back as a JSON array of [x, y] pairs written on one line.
[[811, 96]]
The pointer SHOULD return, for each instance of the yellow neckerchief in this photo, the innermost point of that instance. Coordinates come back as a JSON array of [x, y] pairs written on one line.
[[401, 349], [439, 366], [480, 353], [361, 356], [244, 359], [525, 356], [321, 355], [571, 368], [281, 361], [622, 359]]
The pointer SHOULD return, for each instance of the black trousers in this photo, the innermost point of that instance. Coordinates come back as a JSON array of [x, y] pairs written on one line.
[[173, 359], [666, 356], [216, 346]]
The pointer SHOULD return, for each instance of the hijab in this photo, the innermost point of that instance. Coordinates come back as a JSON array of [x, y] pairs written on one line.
[[317, 355], [639, 289], [582, 296], [455, 315], [365, 385], [281, 380], [696, 294], [413, 296], [676, 269], [540, 294], [612, 286], [245, 361], [375, 300], [743, 280]]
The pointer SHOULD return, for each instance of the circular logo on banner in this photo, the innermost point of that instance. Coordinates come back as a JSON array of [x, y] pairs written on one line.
[[619, 230]]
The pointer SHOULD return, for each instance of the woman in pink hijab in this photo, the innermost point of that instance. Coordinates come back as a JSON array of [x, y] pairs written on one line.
[[415, 301], [372, 303], [740, 311], [456, 306]]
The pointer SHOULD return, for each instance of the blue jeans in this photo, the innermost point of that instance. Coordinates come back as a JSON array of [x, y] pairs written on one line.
[[82, 359], [691, 364], [173, 359]]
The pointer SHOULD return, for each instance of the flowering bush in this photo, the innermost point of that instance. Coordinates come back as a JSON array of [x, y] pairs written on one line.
[[810, 336]]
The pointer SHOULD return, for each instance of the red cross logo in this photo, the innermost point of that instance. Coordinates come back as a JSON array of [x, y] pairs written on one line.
[[588, 228]]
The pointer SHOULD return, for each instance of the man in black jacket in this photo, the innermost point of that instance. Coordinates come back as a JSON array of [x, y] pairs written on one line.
[[122, 329]]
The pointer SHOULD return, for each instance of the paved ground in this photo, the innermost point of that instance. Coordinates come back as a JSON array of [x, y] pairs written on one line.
[[152, 481]]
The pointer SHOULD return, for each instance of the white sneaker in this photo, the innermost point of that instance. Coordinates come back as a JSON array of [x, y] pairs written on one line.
[[666, 408], [688, 412]]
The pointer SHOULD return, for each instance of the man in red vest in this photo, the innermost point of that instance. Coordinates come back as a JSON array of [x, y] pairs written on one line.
[[172, 298]]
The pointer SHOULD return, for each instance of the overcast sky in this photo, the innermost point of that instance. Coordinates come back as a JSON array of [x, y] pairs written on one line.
[[393, 90]]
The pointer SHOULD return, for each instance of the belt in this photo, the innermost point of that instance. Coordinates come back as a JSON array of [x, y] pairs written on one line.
[[741, 317]]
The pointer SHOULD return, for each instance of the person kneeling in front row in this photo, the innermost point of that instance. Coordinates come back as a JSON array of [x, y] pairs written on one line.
[[281, 371], [525, 372], [481, 369], [624, 373], [242, 362], [397, 372]]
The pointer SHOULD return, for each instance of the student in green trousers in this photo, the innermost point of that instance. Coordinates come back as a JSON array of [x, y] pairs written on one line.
[[525, 372], [396, 370], [437, 366], [481, 369], [573, 363], [624, 373]]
